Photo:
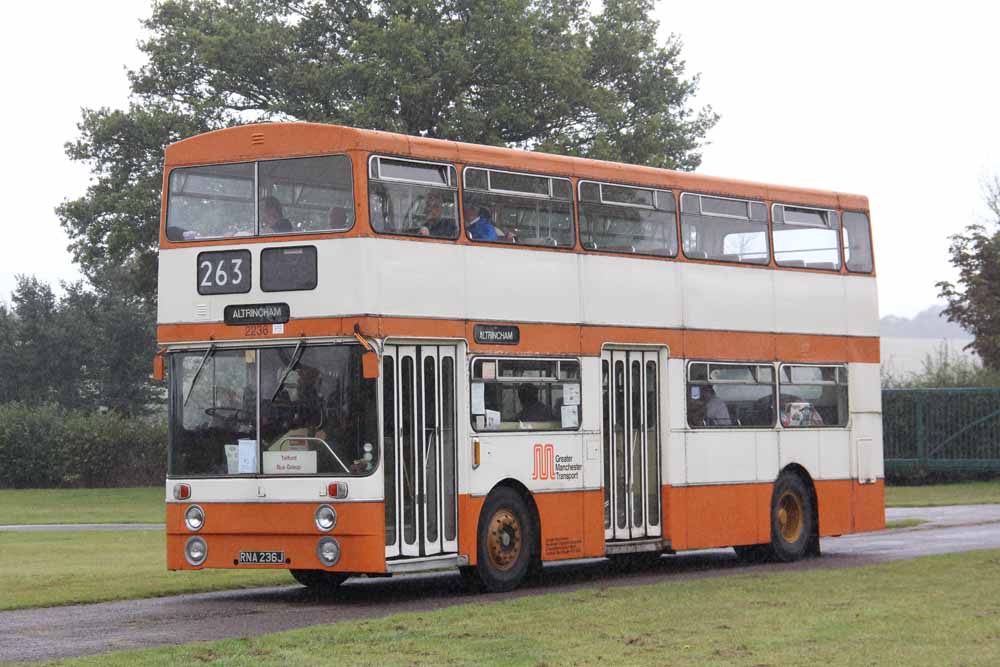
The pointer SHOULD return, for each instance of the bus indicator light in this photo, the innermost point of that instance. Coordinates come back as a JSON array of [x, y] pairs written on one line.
[[337, 490], [182, 491]]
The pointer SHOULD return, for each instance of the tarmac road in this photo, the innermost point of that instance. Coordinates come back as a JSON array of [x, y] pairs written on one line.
[[61, 632]]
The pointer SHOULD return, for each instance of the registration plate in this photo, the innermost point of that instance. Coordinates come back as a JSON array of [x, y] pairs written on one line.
[[262, 558]]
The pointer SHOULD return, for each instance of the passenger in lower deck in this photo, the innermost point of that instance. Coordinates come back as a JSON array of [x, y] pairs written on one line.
[[532, 409]]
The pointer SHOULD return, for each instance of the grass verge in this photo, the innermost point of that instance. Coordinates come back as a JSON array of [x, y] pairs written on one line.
[[905, 523], [935, 610], [934, 495], [48, 506], [58, 568]]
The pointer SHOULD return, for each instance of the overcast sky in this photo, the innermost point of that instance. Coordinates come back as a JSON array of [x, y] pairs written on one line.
[[896, 101]]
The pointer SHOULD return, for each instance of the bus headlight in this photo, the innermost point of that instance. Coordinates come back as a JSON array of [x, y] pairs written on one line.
[[196, 551], [326, 518], [194, 518], [328, 551]]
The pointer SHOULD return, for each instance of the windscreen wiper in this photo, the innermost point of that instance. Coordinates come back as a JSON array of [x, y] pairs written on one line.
[[209, 352], [288, 369]]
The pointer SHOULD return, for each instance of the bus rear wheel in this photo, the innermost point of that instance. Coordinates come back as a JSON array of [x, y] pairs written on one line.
[[506, 533], [792, 522], [319, 580]]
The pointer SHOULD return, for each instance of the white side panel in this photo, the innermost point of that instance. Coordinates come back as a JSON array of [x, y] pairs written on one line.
[[809, 303], [729, 298], [397, 277], [426, 283], [868, 427], [720, 456], [513, 284], [630, 291], [862, 306], [865, 388], [512, 455], [592, 400], [834, 454], [800, 446], [767, 456], [674, 464]]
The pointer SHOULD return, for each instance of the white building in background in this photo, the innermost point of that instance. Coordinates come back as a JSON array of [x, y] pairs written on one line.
[[902, 357]]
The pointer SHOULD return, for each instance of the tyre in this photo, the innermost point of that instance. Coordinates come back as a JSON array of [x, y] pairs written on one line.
[[754, 553], [792, 518], [635, 562], [506, 533], [319, 580]]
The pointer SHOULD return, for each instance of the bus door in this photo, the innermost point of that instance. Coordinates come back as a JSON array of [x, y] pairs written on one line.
[[631, 434], [419, 441]]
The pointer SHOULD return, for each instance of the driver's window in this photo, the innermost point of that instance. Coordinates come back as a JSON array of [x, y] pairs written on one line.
[[215, 395], [316, 412]]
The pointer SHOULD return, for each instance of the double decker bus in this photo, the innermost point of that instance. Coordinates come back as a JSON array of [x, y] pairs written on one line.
[[392, 354]]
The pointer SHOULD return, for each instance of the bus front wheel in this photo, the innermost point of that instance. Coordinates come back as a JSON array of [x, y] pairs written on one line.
[[319, 580], [792, 522], [506, 533]]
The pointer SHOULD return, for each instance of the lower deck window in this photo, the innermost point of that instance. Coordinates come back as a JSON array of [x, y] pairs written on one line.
[[730, 395], [813, 396], [525, 394]]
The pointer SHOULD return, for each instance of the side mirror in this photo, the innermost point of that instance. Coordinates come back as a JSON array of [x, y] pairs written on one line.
[[158, 370], [369, 366]]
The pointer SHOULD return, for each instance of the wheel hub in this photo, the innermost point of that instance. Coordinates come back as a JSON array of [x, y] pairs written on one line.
[[790, 519], [504, 540]]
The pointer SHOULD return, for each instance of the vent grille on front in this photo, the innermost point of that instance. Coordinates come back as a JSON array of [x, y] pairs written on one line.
[[257, 139]]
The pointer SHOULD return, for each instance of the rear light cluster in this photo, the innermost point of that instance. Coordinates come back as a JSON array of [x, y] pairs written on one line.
[[182, 491]]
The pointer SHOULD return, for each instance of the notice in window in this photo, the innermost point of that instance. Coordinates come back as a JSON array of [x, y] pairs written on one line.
[[489, 370], [232, 459], [570, 416], [478, 398], [492, 419], [571, 394], [247, 457]]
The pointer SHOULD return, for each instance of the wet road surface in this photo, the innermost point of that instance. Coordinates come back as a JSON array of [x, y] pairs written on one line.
[[45, 634]]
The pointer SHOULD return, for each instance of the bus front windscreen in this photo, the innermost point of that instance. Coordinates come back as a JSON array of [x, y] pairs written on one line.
[[295, 410]]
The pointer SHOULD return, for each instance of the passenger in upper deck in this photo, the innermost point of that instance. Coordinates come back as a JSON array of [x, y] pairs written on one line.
[[435, 224], [478, 224], [272, 218]]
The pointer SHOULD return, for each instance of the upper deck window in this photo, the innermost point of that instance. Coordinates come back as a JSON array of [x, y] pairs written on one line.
[[857, 242], [297, 195], [314, 194], [528, 209], [619, 218], [413, 198], [805, 237], [724, 229], [214, 201]]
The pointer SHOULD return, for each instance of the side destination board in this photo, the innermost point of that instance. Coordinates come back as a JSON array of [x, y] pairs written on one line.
[[496, 334]]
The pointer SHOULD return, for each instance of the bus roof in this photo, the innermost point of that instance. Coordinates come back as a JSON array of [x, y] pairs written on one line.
[[280, 140]]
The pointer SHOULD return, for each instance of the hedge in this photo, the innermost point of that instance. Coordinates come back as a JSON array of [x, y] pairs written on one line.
[[45, 446]]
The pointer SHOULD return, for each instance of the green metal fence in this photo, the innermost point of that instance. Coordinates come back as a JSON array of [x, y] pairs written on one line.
[[941, 429]]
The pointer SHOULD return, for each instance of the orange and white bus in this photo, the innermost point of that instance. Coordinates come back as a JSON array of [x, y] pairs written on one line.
[[392, 354]]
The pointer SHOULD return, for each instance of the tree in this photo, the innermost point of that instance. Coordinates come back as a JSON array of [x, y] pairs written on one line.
[[974, 302], [537, 74]]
